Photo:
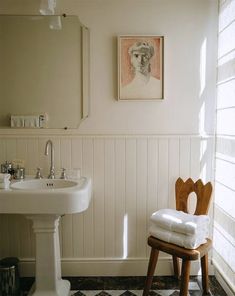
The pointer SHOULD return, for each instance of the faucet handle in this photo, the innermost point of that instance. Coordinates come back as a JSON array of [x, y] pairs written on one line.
[[39, 174], [63, 174]]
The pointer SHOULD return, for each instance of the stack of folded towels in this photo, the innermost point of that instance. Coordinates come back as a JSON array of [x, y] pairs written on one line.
[[185, 230], [4, 181]]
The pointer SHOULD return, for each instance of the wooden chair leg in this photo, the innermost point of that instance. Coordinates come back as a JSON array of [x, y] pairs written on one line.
[[176, 266], [204, 266], [151, 268], [185, 277]]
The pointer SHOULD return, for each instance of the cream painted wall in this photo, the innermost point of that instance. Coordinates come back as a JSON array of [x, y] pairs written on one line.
[[133, 174], [188, 64]]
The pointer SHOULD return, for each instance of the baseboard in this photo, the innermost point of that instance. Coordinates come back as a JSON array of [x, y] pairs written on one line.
[[110, 267], [228, 287]]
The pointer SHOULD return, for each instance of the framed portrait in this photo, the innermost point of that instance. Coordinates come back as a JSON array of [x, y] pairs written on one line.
[[140, 67]]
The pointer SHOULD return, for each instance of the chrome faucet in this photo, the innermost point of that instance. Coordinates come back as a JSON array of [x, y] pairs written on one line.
[[52, 168]]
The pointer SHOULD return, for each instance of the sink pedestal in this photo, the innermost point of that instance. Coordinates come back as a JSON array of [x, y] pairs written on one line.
[[48, 280], [43, 201]]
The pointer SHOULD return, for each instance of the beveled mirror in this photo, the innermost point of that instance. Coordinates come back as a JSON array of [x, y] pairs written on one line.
[[44, 69]]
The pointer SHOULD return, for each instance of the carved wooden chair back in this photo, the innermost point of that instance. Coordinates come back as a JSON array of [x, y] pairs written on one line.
[[203, 195]]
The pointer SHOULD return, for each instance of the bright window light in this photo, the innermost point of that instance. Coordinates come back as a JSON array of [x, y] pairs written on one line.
[[125, 236], [203, 67]]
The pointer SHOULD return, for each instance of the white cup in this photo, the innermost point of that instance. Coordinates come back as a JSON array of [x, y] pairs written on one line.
[[74, 174]]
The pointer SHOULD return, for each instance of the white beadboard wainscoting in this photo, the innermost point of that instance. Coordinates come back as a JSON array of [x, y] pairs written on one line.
[[132, 177]]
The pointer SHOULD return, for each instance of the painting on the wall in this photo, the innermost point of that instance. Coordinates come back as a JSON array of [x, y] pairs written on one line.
[[140, 67]]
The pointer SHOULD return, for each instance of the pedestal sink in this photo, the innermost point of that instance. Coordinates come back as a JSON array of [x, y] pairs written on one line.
[[44, 201]]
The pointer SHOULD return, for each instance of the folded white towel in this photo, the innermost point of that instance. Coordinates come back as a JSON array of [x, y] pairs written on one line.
[[186, 241], [200, 232], [179, 221], [4, 181], [4, 177]]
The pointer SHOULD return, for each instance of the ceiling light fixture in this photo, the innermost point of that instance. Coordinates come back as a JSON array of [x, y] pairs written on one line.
[[47, 7]]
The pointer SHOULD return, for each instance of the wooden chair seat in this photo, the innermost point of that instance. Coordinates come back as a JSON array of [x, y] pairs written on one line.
[[182, 191], [174, 250]]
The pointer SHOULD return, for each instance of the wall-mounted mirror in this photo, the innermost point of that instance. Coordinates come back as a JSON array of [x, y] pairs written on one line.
[[44, 64]]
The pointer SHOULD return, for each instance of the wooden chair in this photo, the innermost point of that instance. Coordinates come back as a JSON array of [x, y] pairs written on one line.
[[182, 191]]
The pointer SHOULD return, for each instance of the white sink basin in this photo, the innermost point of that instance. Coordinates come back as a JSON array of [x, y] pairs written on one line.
[[46, 196], [43, 184], [43, 201]]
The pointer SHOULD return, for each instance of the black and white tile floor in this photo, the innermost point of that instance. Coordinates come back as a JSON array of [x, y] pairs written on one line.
[[133, 286], [193, 288], [126, 293], [131, 293], [162, 286]]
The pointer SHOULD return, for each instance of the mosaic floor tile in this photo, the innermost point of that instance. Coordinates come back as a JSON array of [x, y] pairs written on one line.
[[131, 286], [103, 293], [137, 292], [193, 286], [127, 293], [116, 292], [131, 293]]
